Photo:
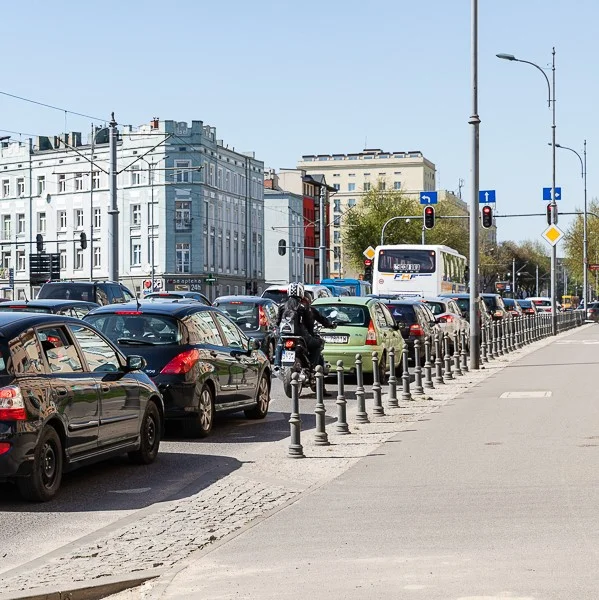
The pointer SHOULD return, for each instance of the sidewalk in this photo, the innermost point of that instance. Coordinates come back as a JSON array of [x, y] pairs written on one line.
[[469, 502]]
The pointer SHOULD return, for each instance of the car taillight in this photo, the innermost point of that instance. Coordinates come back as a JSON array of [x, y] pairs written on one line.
[[128, 312], [416, 330], [4, 447], [498, 313], [445, 319], [289, 344], [371, 335], [262, 317], [182, 363], [12, 407]]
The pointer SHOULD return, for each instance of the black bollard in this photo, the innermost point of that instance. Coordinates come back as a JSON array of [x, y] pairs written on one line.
[[494, 347], [295, 447], [484, 343], [361, 415], [392, 403], [447, 374], [320, 436], [418, 389], [463, 353], [377, 407], [438, 361], [406, 395], [428, 367], [456, 354], [341, 427]]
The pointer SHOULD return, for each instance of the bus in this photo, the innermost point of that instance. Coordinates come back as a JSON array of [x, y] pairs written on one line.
[[418, 270], [358, 287]]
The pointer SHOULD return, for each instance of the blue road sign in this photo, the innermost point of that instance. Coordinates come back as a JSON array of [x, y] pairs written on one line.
[[428, 197], [486, 196], [547, 193]]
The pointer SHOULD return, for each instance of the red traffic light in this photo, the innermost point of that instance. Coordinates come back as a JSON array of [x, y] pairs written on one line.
[[367, 262], [429, 217], [487, 217], [551, 218]]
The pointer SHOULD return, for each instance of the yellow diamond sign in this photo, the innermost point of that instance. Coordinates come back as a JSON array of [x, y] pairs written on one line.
[[369, 252], [553, 234]]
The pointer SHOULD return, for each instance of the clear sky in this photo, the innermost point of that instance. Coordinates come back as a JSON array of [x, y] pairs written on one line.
[[289, 78]]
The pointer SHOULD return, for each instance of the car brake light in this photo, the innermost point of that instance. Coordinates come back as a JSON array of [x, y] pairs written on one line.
[[445, 319], [12, 406], [182, 363], [289, 344], [128, 312], [235, 302], [415, 329], [498, 313], [262, 317], [4, 447], [371, 335]]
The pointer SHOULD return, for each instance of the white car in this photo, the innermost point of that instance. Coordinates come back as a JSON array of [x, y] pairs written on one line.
[[543, 304]]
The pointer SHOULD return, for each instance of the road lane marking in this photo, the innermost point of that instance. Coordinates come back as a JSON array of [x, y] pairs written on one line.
[[525, 395]]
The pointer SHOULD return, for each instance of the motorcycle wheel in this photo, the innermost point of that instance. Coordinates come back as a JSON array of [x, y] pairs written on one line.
[[297, 367]]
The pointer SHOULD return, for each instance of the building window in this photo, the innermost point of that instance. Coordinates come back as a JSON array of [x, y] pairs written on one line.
[[6, 259], [136, 214], [337, 205], [182, 215], [337, 186], [62, 219], [63, 259], [41, 222], [366, 186], [182, 258], [20, 187], [95, 180], [20, 223], [337, 267], [183, 174], [337, 237], [135, 252], [351, 202], [62, 183], [397, 185], [20, 260], [41, 185], [78, 182], [78, 218], [135, 176], [97, 257], [97, 218], [5, 188], [351, 187], [6, 233], [78, 266]]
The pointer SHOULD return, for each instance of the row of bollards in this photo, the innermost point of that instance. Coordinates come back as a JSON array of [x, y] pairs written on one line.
[[445, 358]]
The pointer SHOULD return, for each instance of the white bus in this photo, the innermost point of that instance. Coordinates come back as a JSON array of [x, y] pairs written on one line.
[[418, 270]]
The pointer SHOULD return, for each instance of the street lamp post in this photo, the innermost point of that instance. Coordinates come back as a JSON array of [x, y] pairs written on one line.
[[585, 260], [551, 87]]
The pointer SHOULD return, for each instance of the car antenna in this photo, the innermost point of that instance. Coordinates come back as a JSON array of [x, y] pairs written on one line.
[[138, 305]]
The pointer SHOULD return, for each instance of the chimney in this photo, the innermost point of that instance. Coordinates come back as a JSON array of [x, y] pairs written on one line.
[[154, 122]]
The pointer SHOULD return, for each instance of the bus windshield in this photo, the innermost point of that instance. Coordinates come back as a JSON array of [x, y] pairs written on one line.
[[406, 261]]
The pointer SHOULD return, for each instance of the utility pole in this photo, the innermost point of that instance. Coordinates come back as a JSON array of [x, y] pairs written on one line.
[[537, 282], [513, 277], [91, 206], [322, 229], [553, 207], [113, 213]]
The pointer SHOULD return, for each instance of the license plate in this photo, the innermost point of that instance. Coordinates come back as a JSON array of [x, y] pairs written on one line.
[[288, 356], [336, 339]]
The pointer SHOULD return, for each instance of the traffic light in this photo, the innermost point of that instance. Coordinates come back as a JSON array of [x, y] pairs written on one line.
[[367, 270], [429, 217], [282, 247], [39, 242], [487, 217], [83, 239], [551, 218]]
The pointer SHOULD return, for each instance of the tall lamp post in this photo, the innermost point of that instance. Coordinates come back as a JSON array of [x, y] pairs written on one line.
[[551, 88], [585, 260]]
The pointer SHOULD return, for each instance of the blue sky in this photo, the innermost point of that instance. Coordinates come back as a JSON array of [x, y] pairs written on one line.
[[290, 78]]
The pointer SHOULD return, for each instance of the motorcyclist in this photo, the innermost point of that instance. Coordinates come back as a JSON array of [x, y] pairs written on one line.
[[313, 340]]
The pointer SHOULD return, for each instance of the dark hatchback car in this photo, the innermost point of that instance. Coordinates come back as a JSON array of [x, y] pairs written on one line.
[[495, 306], [415, 321], [200, 360], [69, 397], [173, 296], [100, 292], [255, 316], [68, 308], [463, 302]]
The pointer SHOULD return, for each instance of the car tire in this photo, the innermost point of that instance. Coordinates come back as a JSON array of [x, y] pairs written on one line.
[[201, 424], [262, 400], [44, 481], [149, 436]]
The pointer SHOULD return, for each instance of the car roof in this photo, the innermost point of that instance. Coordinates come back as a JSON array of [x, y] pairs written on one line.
[[398, 301], [173, 309], [436, 298], [49, 302], [13, 323], [456, 295], [248, 299], [355, 300], [62, 282]]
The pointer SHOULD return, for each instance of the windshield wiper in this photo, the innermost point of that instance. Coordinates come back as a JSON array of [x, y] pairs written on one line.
[[134, 342]]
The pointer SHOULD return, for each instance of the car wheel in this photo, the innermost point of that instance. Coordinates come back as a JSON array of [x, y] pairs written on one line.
[[262, 400], [44, 481], [201, 424], [149, 436]]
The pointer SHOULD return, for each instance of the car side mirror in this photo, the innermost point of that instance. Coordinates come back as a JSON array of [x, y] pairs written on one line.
[[253, 344], [135, 363]]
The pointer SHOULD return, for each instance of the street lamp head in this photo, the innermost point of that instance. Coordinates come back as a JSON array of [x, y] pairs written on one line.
[[506, 56]]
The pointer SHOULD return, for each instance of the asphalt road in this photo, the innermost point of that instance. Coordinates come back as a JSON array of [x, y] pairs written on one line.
[[99, 496]]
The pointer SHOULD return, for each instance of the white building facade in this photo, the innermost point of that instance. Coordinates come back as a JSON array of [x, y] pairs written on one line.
[[191, 209]]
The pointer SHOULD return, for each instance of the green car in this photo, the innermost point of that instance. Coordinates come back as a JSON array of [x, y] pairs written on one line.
[[364, 325]]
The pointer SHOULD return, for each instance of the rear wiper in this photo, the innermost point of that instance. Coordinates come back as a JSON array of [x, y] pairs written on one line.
[[134, 342]]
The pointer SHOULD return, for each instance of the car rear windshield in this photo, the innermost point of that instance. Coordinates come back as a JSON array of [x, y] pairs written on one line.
[[25, 308], [463, 305], [137, 329], [524, 303], [437, 308], [68, 291], [509, 302], [345, 314], [278, 296], [542, 302], [491, 302], [403, 313], [246, 315]]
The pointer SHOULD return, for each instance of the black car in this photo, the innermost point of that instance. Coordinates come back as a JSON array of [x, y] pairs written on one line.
[[200, 360], [255, 316], [495, 306], [100, 292], [69, 397], [415, 321], [174, 296], [69, 308]]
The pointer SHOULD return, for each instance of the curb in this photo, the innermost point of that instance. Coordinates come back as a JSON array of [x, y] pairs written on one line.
[[86, 590]]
